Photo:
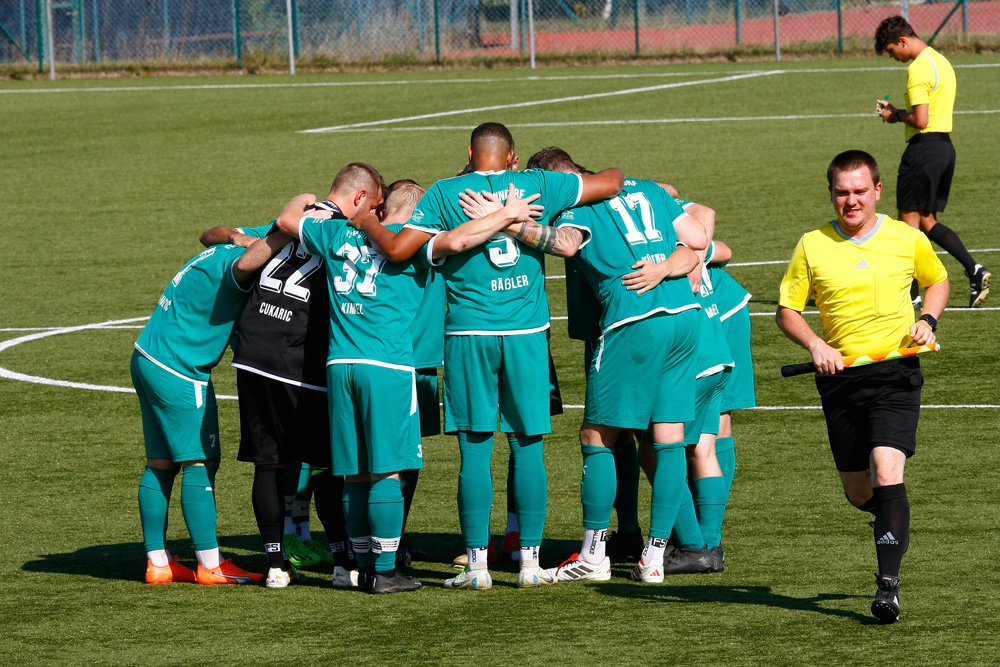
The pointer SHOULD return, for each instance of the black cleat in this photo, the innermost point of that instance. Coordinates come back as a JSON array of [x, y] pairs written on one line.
[[715, 559], [979, 286], [886, 605], [407, 553], [392, 582], [366, 579], [625, 545], [687, 561]]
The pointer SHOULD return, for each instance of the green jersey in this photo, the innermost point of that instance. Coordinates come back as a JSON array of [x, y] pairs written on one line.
[[637, 224], [713, 351], [499, 287], [372, 301], [196, 315], [427, 329], [730, 296]]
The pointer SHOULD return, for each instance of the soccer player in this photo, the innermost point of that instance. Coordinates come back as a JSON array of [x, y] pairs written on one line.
[[630, 383], [495, 341], [374, 431], [171, 370], [859, 268], [928, 163], [284, 423]]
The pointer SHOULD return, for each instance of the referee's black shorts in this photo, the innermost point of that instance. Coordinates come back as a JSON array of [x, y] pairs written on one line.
[[281, 422], [925, 173], [870, 406]]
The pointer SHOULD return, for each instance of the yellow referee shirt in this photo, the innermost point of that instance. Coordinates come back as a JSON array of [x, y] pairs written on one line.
[[930, 80], [861, 285]]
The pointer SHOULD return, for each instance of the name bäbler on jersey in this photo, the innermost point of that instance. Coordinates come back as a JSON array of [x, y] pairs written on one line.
[[504, 284]]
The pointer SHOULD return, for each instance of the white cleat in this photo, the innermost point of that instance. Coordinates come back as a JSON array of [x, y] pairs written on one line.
[[344, 578], [533, 577], [650, 574], [278, 578], [575, 568], [473, 580]]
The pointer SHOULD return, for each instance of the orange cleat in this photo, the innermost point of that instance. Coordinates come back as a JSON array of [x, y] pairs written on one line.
[[226, 573], [171, 572]]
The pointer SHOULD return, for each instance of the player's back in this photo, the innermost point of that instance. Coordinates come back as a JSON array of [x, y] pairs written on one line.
[[195, 316]]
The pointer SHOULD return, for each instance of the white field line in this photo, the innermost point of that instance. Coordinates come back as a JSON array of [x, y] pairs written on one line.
[[555, 100], [434, 82]]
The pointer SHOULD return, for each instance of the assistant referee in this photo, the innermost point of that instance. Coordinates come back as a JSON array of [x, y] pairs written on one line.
[[859, 268]]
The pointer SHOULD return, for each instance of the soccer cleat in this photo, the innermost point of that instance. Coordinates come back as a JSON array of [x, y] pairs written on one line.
[[344, 578], [687, 561], [226, 573], [407, 553], [650, 574], [511, 546], [575, 568], [886, 605], [384, 583], [320, 549], [169, 573], [534, 577], [278, 578], [626, 545], [715, 559], [299, 554], [979, 286], [462, 560], [473, 580]]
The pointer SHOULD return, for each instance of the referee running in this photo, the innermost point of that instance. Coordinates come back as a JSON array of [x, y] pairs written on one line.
[[859, 268]]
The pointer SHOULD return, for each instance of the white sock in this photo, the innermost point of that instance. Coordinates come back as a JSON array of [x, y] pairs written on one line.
[[655, 546], [477, 558], [209, 558], [512, 525], [529, 557], [594, 542], [159, 557]]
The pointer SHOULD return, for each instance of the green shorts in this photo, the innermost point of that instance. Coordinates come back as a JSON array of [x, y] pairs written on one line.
[[374, 422], [708, 393], [739, 392], [428, 402], [644, 372], [487, 374], [180, 419]]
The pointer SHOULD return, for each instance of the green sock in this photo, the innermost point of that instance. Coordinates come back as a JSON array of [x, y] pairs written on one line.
[[710, 502], [475, 488], [598, 485], [154, 501], [356, 516], [627, 495], [385, 516], [668, 484], [725, 451], [687, 532], [198, 505], [531, 491]]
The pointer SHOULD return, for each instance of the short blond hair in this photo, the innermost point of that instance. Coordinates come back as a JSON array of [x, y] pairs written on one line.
[[403, 200], [359, 176]]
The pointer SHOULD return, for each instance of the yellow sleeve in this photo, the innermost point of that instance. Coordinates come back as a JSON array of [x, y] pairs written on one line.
[[796, 286], [919, 82], [927, 267]]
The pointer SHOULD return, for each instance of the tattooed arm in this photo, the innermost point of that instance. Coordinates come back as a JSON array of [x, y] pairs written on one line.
[[562, 241]]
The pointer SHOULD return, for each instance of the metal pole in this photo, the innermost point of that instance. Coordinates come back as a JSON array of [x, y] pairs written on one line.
[[739, 22], [166, 29], [295, 24], [840, 27], [904, 9], [777, 34], [24, 34], [420, 26], [237, 34], [635, 10], [291, 40], [965, 17], [687, 11], [97, 31], [531, 31], [437, 31], [524, 23], [52, 50], [39, 36], [513, 23]]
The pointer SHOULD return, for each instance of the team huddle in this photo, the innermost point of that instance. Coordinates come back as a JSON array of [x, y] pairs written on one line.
[[340, 311]]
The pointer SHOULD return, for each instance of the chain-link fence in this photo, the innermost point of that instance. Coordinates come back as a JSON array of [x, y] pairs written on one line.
[[81, 31]]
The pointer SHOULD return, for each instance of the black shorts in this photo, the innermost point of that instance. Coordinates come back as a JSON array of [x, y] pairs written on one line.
[[870, 406], [281, 422], [925, 173]]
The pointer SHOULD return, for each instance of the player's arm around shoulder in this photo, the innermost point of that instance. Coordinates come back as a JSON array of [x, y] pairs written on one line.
[[257, 255], [487, 217]]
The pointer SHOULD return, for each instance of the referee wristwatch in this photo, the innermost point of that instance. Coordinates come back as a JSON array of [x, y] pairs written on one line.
[[931, 320]]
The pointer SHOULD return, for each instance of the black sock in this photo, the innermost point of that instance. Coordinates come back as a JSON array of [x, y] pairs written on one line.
[[892, 527], [408, 487], [948, 239], [328, 492], [871, 506], [269, 509]]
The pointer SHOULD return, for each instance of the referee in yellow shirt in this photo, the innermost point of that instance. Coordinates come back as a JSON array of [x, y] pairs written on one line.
[[928, 163], [858, 268]]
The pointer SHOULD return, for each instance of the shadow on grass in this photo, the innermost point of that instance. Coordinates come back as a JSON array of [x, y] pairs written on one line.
[[732, 595]]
